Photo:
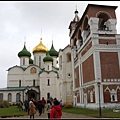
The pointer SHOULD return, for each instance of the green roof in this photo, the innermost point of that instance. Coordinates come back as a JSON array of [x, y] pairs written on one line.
[[47, 58], [13, 88], [24, 52], [52, 51], [49, 72]]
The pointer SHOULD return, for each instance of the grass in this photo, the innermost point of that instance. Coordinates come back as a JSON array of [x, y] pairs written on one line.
[[106, 113], [13, 111]]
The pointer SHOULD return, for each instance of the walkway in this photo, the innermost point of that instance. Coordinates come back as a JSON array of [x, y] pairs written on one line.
[[44, 116]]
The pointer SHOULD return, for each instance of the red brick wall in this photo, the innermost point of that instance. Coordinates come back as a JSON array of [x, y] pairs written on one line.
[[107, 41], [77, 77], [107, 97], [88, 69], [118, 95], [109, 65]]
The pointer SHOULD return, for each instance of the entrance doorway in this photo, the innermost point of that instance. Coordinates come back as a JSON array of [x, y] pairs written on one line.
[[32, 95]]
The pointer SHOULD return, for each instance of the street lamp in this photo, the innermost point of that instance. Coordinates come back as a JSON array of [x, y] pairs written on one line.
[[100, 112]]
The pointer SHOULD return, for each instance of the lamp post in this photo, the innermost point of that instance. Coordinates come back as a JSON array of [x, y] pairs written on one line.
[[100, 112]]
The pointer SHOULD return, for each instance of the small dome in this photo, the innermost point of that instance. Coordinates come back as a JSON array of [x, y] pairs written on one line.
[[24, 52], [48, 58], [30, 61], [40, 48], [52, 51], [76, 18]]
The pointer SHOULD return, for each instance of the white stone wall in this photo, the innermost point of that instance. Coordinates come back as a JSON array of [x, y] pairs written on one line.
[[53, 88]]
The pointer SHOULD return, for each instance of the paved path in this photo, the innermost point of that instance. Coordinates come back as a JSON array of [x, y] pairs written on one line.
[[44, 116]]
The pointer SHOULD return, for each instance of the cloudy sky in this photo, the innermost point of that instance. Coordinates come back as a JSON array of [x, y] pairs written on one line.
[[25, 21]]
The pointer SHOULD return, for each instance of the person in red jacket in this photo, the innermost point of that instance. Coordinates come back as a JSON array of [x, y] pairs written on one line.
[[56, 111], [43, 101]]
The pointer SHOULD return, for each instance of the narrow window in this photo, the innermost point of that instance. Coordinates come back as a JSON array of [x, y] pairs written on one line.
[[9, 97], [1, 96], [48, 67], [17, 97], [39, 61], [48, 95], [23, 61], [19, 83], [48, 82], [34, 83]]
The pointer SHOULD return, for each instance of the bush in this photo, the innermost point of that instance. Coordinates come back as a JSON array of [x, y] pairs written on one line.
[[4, 103], [68, 105]]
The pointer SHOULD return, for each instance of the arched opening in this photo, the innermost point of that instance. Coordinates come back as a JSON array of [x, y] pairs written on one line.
[[32, 94], [9, 97], [103, 17], [68, 56], [1, 96]]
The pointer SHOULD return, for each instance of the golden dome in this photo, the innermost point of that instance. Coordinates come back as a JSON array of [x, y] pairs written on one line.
[[40, 48]]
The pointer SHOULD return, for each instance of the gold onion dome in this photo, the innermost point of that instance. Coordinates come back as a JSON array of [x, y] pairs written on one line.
[[40, 48]]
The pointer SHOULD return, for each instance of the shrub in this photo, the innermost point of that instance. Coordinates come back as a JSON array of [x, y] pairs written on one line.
[[4, 103], [68, 105]]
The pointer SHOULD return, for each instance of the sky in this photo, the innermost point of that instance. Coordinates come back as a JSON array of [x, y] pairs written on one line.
[[28, 21]]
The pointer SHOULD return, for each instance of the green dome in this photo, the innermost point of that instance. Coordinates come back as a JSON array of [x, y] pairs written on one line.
[[48, 58], [52, 51], [30, 61], [24, 52]]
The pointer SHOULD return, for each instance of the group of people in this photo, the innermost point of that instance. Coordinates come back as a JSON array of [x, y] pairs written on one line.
[[53, 108]]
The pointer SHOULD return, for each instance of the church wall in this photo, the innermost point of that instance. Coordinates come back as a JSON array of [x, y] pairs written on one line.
[[5, 95], [53, 88]]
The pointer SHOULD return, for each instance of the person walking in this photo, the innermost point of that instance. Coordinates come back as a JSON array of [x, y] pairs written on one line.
[[32, 109], [43, 101], [56, 111], [26, 104], [48, 107], [40, 107]]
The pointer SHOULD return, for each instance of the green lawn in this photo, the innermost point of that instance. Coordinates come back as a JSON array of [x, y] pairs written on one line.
[[93, 113], [14, 111], [11, 111]]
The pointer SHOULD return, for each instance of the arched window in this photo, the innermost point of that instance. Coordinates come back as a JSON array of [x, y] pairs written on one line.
[[23, 61], [1, 96], [17, 97], [103, 17], [68, 55], [9, 97], [48, 95]]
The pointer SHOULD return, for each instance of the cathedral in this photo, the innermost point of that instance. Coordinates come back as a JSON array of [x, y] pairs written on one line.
[[88, 72]]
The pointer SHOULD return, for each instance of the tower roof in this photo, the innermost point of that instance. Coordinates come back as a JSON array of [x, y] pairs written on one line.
[[52, 51], [24, 52], [76, 18], [40, 48], [47, 58]]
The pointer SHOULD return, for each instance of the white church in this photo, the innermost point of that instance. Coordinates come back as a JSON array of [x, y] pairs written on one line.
[[34, 79]]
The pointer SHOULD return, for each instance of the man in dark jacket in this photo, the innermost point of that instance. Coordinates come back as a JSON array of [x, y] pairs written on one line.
[[40, 107]]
